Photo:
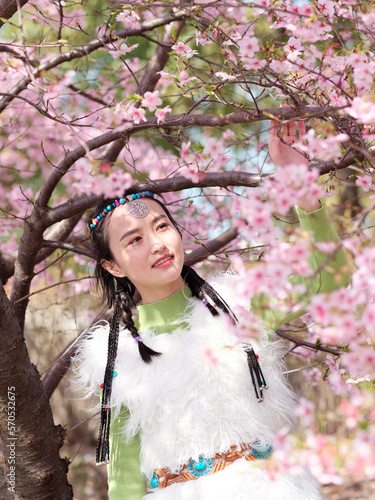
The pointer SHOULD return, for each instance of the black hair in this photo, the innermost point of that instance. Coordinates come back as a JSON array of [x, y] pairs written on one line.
[[119, 294]]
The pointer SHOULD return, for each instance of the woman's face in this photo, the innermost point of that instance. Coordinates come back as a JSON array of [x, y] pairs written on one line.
[[146, 250]]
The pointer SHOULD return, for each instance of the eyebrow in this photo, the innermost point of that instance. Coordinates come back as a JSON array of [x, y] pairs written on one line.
[[135, 230]]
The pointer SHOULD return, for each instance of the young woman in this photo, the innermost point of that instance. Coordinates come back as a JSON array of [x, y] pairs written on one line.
[[195, 395]]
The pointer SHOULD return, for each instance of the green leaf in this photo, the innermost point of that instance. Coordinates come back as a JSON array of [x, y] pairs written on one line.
[[36, 8], [135, 97]]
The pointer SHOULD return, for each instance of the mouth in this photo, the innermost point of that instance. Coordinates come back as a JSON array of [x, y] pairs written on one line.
[[166, 259]]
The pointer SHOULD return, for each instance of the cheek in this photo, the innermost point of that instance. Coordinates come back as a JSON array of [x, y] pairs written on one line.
[[179, 247]]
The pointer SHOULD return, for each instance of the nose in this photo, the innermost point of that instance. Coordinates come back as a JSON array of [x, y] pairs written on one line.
[[157, 245]]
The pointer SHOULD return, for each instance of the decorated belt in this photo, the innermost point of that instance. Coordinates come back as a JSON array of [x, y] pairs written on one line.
[[206, 466]]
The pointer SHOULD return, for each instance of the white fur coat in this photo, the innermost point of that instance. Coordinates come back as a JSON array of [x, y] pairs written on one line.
[[198, 399]]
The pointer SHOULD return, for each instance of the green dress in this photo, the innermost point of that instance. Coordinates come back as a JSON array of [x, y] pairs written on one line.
[[125, 481]]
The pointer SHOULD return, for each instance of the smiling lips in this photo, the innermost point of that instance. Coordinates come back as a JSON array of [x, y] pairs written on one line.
[[163, 261]]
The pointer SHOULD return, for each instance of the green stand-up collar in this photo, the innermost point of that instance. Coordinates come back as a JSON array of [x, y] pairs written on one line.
[[165, 315]]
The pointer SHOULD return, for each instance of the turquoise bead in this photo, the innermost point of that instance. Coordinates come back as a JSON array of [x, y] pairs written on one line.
[[154, 481], [115, 374], [199, 466], [122, 201]]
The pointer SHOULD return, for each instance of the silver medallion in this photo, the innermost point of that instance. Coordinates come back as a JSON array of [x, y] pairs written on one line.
[[138, 209]]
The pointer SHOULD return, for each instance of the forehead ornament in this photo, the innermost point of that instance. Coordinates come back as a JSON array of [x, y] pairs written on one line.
[[137, 209]]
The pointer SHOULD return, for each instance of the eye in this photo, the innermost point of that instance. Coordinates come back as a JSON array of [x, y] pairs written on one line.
[[134, 240], [163, 225]]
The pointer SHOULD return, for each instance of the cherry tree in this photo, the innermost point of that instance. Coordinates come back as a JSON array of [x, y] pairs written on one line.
[[179, 98]]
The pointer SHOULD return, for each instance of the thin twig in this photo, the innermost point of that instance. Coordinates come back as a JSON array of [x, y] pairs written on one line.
[[315, 347]]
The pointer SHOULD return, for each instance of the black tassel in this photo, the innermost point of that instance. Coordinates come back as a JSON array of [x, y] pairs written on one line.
[[147, 354], [256, 373], [102, 447]]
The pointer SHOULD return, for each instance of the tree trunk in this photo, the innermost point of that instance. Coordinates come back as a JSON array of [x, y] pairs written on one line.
[[8, 8], [29, 439]]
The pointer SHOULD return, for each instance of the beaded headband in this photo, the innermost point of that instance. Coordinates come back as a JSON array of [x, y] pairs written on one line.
[[136, 211]]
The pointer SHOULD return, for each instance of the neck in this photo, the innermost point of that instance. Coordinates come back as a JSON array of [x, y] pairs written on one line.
[[149, 296]]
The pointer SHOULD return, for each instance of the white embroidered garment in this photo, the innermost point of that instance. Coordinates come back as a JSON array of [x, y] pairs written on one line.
[[198, 399]]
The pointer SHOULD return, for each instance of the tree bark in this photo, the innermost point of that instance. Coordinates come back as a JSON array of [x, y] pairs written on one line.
[[29, 439], [9, 8]]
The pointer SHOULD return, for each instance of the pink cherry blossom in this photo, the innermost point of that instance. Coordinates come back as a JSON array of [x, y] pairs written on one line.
[[161, 113], [305, 411], [312, 376], [129, 18], [225, 76], [184, 50], [122, 50], [255, 64], [364, 182], [363, 110], [184, 78], [326, 7], [185, 146], [135, 114], [151, 100], [201, 38], [214, 147], [293, 48], [193, 174], [248, 47], [228, 135]]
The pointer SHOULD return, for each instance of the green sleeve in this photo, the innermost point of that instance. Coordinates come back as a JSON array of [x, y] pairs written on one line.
[[124, 471], [331, 275]]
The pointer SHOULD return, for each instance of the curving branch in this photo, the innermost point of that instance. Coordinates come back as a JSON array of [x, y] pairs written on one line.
[[211, 247], [179, 183], [182, 121], [352, 157], [61, 232], [67, 246]]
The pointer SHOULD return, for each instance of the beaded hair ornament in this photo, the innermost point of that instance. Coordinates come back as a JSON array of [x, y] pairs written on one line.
[[135, 207]]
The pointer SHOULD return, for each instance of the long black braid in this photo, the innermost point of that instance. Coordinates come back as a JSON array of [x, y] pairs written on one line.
[[102, 447], [201, 290], [118, 293], [125, 300]]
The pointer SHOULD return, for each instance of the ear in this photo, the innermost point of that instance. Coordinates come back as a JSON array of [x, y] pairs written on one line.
[[112, 268]]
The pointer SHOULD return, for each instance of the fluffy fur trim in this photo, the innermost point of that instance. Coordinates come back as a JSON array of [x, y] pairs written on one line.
[[187, 403]]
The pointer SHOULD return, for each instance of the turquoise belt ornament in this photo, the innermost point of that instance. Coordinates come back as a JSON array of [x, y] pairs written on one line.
[[154, 481], [261, 452], [195, 469], [200, 468]]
